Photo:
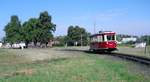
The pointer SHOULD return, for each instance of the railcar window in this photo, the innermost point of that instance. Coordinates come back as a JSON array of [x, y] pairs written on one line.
[[110, 37], [94, 39], [100, 39]]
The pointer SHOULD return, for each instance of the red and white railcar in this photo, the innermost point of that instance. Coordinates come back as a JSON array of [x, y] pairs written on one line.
[[103, 41]]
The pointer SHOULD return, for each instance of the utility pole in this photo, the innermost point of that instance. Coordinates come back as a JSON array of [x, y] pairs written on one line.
[[148, 44], [94, 27], [81, 40], [145, 48]]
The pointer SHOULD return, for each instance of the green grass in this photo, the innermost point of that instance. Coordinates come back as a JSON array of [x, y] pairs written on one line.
[[85, 68]]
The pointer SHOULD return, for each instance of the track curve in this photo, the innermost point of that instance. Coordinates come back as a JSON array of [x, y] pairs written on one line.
[[135, 58], [138, 59]]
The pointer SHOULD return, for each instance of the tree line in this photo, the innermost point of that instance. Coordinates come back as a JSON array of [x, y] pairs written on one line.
[[34, 30], [76, 36], [41, 30]]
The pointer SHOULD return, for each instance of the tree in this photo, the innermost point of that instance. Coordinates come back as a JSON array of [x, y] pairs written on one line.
[[61, 40], [3, 39], [30, 31], [46, 27], [34, 30], [39, 29], [146, 38], [13, 30], [77, 34]]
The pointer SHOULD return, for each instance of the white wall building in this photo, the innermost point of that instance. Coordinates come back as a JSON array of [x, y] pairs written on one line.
[[140, 45], [125, 40]]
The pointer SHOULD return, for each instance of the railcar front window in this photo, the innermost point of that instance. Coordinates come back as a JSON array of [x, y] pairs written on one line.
[[110, 37]]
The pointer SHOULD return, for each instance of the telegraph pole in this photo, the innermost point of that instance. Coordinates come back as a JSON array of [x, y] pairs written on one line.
[[94, 27], [148, 44], [145, 48], [81, 40]]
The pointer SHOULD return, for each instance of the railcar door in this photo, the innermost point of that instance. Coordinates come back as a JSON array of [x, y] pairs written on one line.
[[101, 40], [94, 43]]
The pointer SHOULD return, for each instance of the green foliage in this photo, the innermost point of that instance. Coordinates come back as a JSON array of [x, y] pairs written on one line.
[[76, 34], [30, 31], [46, 27], [4, 39], [118, 37], [146, 38], [34, 30], [13, 30], [61, 39]]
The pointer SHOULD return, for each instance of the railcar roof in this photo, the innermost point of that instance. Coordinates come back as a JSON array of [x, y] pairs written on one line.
[[103, 33]]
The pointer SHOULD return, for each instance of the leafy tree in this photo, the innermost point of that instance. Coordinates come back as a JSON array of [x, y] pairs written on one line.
[[30, 31], [13, 30], [76, 34], [34, 30], [39, 29], [146, 38], [61, 40], [3, 39], [46, 27]]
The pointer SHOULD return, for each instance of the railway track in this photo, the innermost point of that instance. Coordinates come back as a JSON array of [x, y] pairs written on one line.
[[138, 59]]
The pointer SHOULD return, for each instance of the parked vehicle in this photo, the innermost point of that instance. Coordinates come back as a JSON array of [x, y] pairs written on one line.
[[103, 41]]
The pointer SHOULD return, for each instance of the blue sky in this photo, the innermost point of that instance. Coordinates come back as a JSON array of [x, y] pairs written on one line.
[[121, 16]]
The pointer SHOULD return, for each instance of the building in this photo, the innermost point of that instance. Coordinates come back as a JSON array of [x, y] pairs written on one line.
[[125, 40], [140, 45]]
